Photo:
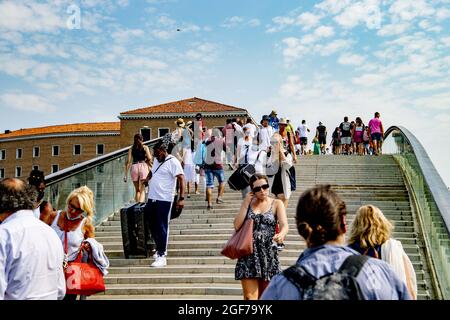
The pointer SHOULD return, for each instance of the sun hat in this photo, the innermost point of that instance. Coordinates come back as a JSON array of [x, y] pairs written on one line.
[[180, 122], [282, 121]]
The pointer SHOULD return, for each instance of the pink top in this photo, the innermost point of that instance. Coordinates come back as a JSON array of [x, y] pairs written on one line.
[[375, 125]]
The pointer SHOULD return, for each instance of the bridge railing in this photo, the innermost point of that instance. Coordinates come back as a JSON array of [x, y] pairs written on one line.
[[431, 197], [103, 175]]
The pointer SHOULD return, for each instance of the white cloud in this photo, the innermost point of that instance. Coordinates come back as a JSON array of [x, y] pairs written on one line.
[[332, 6], [308, 20], [295, 49], [408, 10], [369, 80], [26, 102], [30, 17], [351, 59], [324, 32], [333, 47], [366, 11], [442, 14], [205, 52], [280, 24], [393, 29], [237, 21], [126, 34]]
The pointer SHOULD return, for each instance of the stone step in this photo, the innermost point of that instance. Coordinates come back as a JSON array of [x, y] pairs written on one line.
[[164, 297]]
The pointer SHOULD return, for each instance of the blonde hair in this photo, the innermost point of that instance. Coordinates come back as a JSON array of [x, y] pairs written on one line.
[[370, 227], [85, 197]]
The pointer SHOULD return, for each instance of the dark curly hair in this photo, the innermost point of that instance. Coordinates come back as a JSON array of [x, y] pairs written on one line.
[[16, 195], [319, 215]]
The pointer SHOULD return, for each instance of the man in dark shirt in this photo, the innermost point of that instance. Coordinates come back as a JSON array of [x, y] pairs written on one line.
[[321, 135], [346, 135]]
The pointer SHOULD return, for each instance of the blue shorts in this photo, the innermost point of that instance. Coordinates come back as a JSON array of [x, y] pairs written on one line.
[[376, 136], [210, 174]]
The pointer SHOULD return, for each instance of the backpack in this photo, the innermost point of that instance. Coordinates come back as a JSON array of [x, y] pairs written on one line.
[[340, 285]]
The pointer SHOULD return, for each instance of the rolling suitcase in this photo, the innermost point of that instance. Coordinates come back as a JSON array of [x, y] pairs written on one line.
[[135, 231]]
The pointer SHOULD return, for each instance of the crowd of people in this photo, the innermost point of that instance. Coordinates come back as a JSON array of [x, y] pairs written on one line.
[[181, 158]]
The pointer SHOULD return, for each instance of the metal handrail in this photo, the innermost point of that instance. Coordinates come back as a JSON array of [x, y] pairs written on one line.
[[437, 187], [86, 165]]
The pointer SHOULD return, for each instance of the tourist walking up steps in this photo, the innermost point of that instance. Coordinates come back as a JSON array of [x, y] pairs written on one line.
[[321, 221], [336, 141], [321, 135], [346, 136], [75, 229], [370, 234], [265, 134], [165, 175], [256, 270], [213, 166], [358, 133], [139, 158], [31, 255], [303, 129], [376, 133]]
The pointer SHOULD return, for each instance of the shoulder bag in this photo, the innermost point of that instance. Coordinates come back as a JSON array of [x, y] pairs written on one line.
[[241, 242]]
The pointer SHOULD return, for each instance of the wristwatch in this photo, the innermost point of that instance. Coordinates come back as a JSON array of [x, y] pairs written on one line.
[[180, 198]]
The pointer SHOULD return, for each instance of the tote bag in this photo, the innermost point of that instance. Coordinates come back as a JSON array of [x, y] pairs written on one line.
[[241, 242]]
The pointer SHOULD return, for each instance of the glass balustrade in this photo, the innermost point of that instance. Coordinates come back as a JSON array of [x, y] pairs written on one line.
[[103, 175], [412, 159]]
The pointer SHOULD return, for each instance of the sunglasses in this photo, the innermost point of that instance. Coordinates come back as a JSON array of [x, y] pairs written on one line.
[[263, 187], [70, 206]]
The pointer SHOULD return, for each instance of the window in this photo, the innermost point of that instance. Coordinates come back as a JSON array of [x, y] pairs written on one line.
[[162, 131], [18, 172], [2, 154], [36, 152], [146, 133], [100, 148], [76, 149], [19, 153], [35, 167], [101, 168], [55, 151], [55, 168], [2, 173]]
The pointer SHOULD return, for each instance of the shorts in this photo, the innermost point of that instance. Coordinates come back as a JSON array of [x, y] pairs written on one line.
[[376, 136], [211, 173], [303, 141], [346, 140], [322, 140], [139, 171]]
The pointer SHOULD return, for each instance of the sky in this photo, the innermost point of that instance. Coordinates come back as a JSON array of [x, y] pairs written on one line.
[[88, 60]]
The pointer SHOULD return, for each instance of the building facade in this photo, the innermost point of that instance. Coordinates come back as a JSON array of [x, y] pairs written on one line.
[[54, 148]]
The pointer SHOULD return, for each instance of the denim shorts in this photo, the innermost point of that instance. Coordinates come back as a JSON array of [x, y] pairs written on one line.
[[376, 136], [210, 174]]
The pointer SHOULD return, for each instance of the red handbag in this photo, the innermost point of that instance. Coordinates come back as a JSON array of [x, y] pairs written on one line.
[[82, 278], [241, 242]]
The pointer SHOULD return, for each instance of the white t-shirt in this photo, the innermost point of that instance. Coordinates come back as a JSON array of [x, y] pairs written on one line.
[[265, 133], [163, 182], [251, 128], [303, 129]]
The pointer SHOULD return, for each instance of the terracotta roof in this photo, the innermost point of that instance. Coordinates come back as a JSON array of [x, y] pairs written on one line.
[[65, 128], [192, 105]]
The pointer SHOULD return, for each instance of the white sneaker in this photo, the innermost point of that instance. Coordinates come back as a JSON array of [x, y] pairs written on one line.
[[159, 262], [155, 255]]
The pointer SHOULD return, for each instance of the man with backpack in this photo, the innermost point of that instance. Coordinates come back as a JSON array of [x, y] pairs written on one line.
[[346, 135], [327, 269]]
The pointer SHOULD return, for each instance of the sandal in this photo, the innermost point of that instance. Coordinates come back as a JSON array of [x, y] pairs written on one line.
[[219, 201], [208, 208]]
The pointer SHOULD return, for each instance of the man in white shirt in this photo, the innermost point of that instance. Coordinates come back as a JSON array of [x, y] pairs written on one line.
[[303, 129], [250, 127], [31, 254], [265, 133], [165, 174]]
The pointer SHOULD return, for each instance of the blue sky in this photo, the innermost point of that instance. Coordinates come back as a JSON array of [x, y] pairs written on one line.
[[313, 60]]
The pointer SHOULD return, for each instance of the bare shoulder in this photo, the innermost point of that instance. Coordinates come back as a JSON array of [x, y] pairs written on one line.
[[277, 203]]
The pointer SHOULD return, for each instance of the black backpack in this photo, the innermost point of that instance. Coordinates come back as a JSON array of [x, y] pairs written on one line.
[[340, 285]]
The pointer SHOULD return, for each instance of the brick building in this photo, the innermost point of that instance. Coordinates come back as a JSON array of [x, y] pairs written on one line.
[[58, 147], [153, 122], [55, 147]]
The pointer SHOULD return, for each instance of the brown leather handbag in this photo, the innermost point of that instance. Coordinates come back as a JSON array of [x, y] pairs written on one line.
[[241, 242]]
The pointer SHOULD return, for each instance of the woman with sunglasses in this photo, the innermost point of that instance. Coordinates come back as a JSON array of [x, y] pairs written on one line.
[[256, 270], [75, 229]]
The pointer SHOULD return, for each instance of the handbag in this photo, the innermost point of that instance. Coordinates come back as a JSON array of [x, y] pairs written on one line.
[[82, 278], [175, 212], [241, 242]]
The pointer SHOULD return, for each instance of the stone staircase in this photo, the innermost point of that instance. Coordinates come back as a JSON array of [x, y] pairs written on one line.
[[196, 270]]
